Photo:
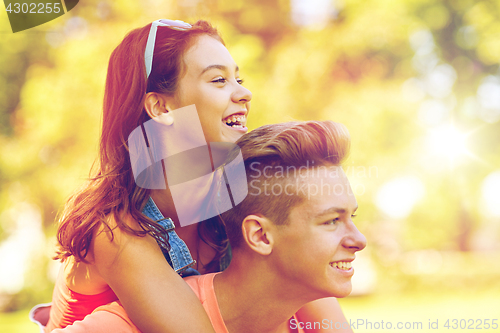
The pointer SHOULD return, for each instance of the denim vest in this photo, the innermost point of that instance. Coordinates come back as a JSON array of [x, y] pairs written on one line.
[[178, 256]]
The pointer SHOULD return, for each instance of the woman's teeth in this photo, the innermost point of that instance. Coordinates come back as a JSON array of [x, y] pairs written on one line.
[[235, 121], [344, 265]]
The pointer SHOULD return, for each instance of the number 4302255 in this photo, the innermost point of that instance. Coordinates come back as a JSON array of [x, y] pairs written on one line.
[[34, 8]]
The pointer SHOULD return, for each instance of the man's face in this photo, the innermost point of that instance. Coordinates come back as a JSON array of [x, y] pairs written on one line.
[[315, 249]]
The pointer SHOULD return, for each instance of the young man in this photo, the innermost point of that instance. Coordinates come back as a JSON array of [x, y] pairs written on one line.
[[292, 237]]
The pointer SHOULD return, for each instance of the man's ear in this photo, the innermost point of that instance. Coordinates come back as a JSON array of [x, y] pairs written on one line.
[[157, 104], [257, 234]]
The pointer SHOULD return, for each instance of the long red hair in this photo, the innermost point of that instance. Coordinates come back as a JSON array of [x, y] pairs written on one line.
[[111, 188]]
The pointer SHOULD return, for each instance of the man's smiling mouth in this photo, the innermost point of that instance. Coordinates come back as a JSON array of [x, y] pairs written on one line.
[[343, 265]]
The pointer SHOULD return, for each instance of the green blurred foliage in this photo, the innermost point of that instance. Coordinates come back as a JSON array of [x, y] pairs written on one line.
[[350, 68]]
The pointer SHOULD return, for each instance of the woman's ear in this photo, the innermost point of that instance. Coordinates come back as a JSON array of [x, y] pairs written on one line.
[[257, 234], [156, 106]]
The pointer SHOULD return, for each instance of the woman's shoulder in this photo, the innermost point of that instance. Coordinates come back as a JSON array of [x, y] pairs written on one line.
[[118, 235], [115, 232], [84, 277]]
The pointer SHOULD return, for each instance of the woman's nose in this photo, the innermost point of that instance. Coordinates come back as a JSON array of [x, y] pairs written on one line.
[[241, 94]]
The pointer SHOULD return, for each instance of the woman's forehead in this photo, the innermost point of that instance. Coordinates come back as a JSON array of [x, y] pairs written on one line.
[[207, 52]]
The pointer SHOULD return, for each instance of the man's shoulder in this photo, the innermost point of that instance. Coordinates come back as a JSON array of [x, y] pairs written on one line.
[[201, 284], [203, 287]]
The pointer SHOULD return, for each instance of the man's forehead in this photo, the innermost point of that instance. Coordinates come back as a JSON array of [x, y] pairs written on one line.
[[332, 172], [324, 189]]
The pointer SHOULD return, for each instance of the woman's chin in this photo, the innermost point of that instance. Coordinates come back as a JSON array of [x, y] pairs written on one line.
[[233, 135]]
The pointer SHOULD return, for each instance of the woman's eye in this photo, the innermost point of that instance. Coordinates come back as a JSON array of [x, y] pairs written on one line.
[[240, 81], [219, 80], [353, 216]]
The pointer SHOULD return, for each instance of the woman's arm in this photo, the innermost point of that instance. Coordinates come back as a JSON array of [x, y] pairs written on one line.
[[153, 294], [327, 312]]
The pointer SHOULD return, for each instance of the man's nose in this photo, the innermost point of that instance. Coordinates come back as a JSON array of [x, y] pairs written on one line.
[[354, 240]]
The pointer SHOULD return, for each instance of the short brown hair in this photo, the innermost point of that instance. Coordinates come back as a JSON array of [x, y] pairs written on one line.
[[292, 144]]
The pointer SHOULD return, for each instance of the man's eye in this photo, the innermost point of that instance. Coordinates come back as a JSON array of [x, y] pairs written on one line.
[[240, 81], [333, 221], [219, 80]]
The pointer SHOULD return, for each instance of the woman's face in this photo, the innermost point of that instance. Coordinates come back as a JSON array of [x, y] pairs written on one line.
[[211, 81]]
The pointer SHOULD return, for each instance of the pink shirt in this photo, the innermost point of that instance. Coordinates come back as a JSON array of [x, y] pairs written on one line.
[[69, 306], [113, 318]]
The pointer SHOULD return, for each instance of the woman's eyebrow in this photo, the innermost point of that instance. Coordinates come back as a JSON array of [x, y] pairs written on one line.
[[221, 67]]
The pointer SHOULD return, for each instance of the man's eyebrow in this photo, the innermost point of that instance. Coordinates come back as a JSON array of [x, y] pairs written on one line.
[[221, 67], [333, 210]]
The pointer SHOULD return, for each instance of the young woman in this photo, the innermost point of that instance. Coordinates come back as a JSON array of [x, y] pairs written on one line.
[[114, 236]]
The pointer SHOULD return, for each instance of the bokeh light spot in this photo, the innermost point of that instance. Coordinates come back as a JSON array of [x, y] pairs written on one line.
[[397, 197]]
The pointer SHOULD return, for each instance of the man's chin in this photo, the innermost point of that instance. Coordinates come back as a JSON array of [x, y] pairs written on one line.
[[341, 291]]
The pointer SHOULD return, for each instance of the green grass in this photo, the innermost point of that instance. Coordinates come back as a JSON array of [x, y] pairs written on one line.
[[17, 322], [424, 308], [417, 307]]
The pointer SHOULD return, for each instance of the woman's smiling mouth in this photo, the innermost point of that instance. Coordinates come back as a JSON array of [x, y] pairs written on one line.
[[236, 121]]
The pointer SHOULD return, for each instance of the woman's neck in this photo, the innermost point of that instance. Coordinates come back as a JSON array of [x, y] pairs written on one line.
[[165, 203], [200, 251]]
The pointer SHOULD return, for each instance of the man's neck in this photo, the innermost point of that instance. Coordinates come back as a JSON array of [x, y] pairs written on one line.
[[252, 300]]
